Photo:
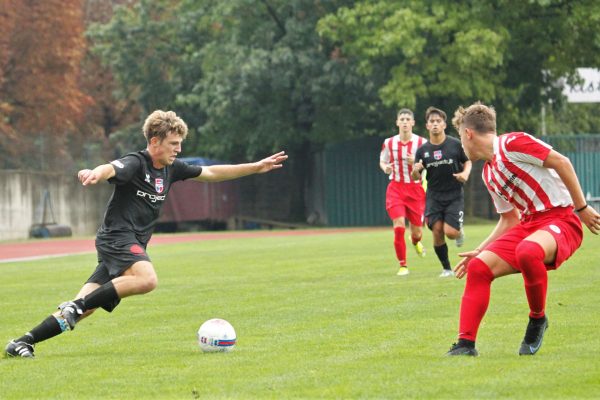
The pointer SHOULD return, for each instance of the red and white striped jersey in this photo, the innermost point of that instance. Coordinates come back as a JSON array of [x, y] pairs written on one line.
[[517, 178], [395, 152]]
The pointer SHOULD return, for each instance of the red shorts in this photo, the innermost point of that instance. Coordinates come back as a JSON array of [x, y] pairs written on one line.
[[560, 222], [405, 200]]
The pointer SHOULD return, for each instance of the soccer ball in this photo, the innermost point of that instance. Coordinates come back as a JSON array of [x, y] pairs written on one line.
[[216, 335]]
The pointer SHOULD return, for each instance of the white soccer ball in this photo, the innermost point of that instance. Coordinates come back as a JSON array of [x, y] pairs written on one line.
[[216, 335]]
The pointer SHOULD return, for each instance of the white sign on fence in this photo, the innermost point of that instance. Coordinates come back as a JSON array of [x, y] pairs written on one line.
[[586, 92]]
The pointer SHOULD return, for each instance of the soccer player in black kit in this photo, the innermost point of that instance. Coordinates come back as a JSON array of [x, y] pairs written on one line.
[[448, 168], [142, 181]]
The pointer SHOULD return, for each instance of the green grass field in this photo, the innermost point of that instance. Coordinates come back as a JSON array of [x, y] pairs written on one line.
[[320, 316]]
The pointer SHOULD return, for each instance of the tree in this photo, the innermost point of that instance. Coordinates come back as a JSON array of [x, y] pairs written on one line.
[[447, 53], [248, 76], [39, 67], [8, 137], [108, 113]]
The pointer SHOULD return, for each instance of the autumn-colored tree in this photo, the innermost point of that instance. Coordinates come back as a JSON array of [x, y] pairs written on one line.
[[7, 134], [42, 47]]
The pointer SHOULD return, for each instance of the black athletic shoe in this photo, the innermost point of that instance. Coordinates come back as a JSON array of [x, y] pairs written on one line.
[[70, 312], [534, 335], [459, 349], [19, 349]]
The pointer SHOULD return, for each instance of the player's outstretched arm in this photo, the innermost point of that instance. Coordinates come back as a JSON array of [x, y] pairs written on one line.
[[563, 167], [218, 173], [99, 174]]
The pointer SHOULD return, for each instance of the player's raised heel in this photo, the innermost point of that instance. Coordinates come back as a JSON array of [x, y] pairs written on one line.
[[420, 249], [460, 240], [534, 336], [19, 349], [71, 313]]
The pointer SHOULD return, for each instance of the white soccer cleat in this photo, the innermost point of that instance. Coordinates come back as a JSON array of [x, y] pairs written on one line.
[[446, 273]]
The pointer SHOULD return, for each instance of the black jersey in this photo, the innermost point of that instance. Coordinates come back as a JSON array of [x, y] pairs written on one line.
[[441, 161], [140, 191]]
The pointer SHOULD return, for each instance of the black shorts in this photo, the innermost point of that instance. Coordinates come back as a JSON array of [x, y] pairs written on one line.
[[114, 258], [450, 209]]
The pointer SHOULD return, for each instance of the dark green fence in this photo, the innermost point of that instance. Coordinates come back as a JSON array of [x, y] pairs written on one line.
[[584, 153], [354, 186]]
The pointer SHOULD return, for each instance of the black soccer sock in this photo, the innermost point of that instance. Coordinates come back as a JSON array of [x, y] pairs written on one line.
[[49, 328], [442, 254], [105, 294]]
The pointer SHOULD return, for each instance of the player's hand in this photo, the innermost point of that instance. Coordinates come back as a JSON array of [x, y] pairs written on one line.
[[460, 270], [272, 162], [410, 159], [591, 219], [88, 177], [416, 171], [388, 169], [461, 177]]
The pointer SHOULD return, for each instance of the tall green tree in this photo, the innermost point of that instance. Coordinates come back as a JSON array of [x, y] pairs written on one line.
[[248, 76], [446, 52]]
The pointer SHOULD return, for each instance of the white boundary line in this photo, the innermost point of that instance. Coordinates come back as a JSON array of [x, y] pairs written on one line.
[[42, 257]]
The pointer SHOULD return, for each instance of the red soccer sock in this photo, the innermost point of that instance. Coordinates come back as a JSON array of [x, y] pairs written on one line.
[[415, 239], [400, 245], [476, 298], [530, 260]]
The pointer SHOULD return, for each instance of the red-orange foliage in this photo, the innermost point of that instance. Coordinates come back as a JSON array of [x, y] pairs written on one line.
[[6, 25], [41, 48]]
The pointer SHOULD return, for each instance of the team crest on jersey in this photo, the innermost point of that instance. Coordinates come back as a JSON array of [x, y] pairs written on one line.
[[159, 185], [437, 154]]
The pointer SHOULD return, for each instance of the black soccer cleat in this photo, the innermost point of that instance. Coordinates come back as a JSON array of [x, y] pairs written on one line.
[[534, 335], [71, 313], [19, 349], [461, 349]]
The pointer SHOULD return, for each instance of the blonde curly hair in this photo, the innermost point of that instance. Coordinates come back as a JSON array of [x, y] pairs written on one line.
[[160, 123], [477, 116]]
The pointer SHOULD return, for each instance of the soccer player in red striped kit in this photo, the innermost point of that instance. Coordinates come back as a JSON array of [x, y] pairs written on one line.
[[541, 205], [405, 196]]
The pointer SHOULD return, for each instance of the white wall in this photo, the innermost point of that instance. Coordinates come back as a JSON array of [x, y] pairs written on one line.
[[21, 195]]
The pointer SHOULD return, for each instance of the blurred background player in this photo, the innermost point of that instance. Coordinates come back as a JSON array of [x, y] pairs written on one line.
[[537, 194], [448, 168], [405, 196], [142, 181]]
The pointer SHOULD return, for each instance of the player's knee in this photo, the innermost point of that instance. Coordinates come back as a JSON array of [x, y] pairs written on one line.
[[399, 222], [148, 283], [479, 271], [528, 252]]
